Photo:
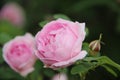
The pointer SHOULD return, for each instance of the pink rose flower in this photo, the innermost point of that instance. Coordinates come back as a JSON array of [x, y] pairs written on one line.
[[59, 43], [61, 76], [13, 13], [19, 54]]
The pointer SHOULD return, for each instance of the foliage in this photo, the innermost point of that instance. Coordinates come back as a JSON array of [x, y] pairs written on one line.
[[100, 16]]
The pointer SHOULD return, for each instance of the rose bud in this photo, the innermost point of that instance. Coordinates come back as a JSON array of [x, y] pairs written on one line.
[[13, 13], [19, 54], [61, 76], [95, 45], [59, 43]]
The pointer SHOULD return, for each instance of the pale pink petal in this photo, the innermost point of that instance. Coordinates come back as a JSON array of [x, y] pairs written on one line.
[[81, 55], [81, 29]]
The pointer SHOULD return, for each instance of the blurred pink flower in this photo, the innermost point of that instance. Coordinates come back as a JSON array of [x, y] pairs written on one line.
[[13, 13], [19, 54], [59, 43], [61, 76]]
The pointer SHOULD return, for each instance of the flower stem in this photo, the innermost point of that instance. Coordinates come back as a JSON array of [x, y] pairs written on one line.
[[29, 77], [82, 76], [100, 37]]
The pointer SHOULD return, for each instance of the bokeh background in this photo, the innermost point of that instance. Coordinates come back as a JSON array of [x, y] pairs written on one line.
[[100, 16]]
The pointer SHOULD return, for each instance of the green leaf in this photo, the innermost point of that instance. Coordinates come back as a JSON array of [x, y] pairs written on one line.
[[90, 63], [4, 38], [81, 68], [110, 70], [91, 58], [56, 16], [108, 61], [41, 24], [103, 60], [62, 70], [6, 27]]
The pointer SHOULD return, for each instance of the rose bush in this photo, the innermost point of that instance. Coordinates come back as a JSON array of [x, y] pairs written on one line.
[[59, 43], [19, 54]]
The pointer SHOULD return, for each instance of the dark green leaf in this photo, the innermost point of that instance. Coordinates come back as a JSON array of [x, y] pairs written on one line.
[[90, 63], [62, 70], [110, 70], [106, 60], [81, 68], [41, 24], [90, 58], [103, 60], [6, 27]]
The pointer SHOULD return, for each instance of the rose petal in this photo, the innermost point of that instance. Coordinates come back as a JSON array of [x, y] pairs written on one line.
[[81, 55]]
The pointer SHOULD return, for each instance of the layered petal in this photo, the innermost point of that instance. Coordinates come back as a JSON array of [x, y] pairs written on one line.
[[59, 43], [66, 63]]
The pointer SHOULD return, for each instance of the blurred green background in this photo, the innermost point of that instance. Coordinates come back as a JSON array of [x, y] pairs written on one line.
[[100, 16]]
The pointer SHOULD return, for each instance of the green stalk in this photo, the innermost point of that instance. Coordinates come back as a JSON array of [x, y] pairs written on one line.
[[82, 76]]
